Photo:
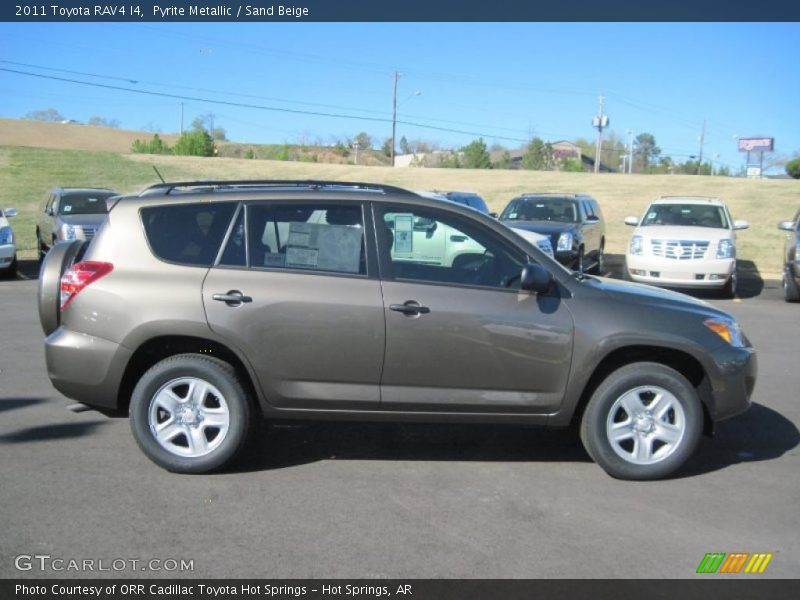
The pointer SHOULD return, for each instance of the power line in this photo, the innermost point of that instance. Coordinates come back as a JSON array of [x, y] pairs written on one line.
[[260, 107]]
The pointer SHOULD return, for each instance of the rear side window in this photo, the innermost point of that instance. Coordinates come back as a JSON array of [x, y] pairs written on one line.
[[187, 234], [315, 237]]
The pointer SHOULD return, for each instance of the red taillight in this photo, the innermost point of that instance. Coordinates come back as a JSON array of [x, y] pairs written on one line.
[[79, 276]]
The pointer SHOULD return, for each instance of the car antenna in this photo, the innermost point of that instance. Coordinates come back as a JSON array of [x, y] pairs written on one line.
[[159, 174]]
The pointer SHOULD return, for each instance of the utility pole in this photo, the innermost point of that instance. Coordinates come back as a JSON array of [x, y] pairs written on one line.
[[181, 118], [630, 151], [355, 145], [396, 76], [600, 122], [700, 154]]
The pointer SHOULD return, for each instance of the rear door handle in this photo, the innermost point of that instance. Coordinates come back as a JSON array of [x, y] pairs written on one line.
[[232, 298], [410, 308]]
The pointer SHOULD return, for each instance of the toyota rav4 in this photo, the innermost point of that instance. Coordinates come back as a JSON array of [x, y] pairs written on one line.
[[201, 308]]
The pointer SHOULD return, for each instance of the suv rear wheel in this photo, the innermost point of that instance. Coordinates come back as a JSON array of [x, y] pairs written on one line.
[[791, 291], [190, 414], [643, 422]]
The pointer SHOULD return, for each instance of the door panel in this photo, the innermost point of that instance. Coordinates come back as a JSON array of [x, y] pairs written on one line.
[[475, 351], [315, 341]]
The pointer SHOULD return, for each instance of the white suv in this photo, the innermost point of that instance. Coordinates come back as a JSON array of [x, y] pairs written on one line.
[[8, 245], [685, 242]]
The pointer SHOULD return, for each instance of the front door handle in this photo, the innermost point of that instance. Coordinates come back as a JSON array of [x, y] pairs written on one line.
[[410, 308], [232, 298]]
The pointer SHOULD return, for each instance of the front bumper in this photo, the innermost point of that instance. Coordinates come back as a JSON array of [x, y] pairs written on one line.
[[732, 377], [7, 253], [704, 273], [85, 368]]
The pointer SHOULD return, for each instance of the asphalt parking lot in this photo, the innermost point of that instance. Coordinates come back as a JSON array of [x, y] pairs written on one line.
[[360, 500]]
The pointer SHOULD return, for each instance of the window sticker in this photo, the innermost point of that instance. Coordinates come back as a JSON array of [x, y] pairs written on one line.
[[67, 208], [274, 259], [651, 215], [323, 246], [512, 215], [404, 235], [301, 257]]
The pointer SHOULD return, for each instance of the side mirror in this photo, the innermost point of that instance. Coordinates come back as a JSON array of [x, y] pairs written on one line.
[[49, 211], [592, 219], [536, 279], [741, 224], [632, 221], [10, 212], [785, 225]]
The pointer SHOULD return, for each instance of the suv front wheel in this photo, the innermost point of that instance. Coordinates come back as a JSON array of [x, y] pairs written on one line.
[[643, 422], [190, 414]]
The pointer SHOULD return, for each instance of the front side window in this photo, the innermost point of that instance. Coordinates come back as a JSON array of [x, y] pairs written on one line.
[[429, 245], [686, 215], [315, 237]]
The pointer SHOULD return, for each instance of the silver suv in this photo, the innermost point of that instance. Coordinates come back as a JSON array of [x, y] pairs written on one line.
[[70, 214], [200, 308]]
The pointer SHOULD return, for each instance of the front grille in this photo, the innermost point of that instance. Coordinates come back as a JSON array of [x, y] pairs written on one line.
[[679, 249], [89, 232]]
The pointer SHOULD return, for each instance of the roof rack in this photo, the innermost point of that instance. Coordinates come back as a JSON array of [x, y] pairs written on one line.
[[164, 189]]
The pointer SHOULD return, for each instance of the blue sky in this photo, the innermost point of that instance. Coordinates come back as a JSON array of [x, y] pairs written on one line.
[[504, 80]]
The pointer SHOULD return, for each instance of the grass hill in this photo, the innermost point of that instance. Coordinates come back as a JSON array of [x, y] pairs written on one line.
[[27, 173]]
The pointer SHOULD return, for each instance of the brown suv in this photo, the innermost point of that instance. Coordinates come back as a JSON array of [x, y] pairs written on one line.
[[201, 307]]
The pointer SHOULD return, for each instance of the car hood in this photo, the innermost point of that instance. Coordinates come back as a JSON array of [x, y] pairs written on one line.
[[543, 227], [639, 292], [673, 232], [81, 220], [529, 235]]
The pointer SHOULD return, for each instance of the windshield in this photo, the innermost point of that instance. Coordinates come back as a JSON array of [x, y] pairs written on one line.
[[89, 203], [686, 215], [560, 210]]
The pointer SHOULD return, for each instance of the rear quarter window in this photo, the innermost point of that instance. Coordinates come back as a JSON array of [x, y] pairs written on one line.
[[187, 234]]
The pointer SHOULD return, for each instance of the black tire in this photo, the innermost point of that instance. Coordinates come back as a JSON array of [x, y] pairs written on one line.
[[729, 289], [11, 272], [600, 266], [603, 406], [221, 376], [580, 260], [791, 291]]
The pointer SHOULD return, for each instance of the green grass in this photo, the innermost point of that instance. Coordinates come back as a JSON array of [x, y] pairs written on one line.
[[26, 175]]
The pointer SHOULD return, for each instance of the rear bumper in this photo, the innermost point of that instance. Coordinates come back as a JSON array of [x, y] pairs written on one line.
[[732, 379], [85, 368], [680, 273]]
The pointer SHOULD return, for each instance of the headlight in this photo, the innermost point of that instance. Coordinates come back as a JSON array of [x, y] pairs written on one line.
[[637, 245], [564, 242], [71, 232], [6, 236], [727, 329], [546, 247], [725, 249]]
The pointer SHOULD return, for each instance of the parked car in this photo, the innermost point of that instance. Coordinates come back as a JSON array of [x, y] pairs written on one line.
[[8, 244], [574, 223], [791, 258], [71, 214], [468, 199], [201, 308], [685, 241]]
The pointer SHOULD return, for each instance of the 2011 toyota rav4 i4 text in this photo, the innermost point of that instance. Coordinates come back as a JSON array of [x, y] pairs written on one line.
[[201, 307]]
